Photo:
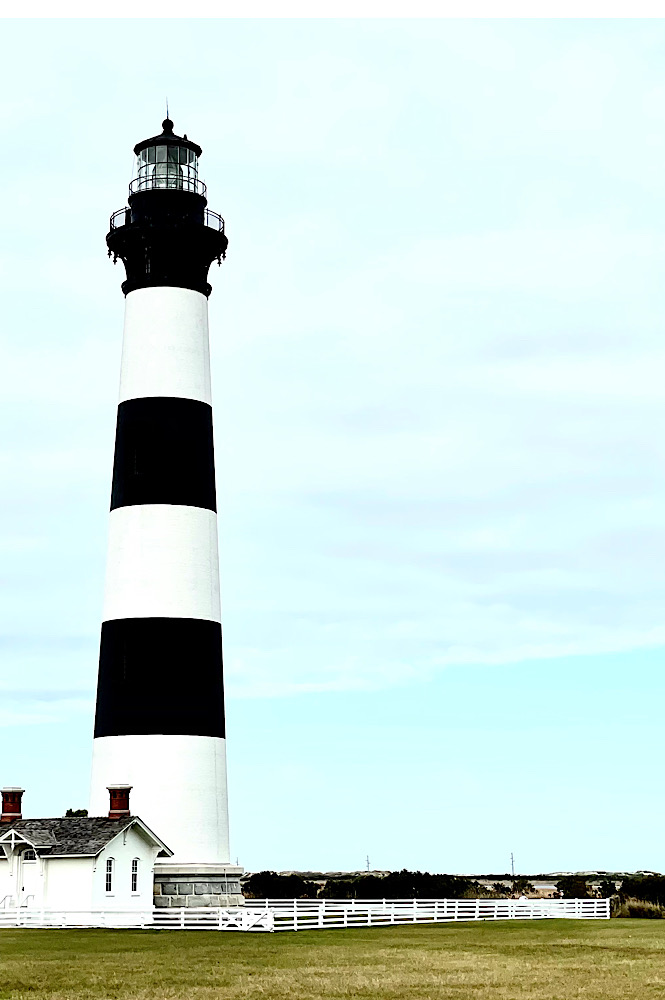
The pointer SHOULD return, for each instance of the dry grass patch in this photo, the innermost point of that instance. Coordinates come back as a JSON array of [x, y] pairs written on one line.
[[641, 908], [542, 960]]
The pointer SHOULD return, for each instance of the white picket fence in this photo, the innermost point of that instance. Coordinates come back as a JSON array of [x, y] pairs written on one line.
[[312, 914], [28, 916], [304, 914]]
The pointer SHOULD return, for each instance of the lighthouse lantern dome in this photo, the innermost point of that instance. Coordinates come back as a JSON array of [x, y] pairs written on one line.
[[167, 161]]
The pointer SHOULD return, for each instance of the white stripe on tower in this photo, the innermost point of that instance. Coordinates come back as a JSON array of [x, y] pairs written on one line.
[[159, 723], [165, 345], [162, 562]]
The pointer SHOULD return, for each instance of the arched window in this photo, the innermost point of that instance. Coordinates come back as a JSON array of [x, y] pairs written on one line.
[[109, 874], [29, 855], [135, 875]]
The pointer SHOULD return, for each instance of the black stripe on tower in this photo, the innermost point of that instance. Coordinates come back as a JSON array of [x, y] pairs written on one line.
[[160, 675], [164, 453]]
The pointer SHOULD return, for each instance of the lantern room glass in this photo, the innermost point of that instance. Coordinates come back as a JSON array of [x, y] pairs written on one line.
[[166, 166]]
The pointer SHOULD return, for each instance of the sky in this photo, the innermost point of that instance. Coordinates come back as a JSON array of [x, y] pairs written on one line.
[[438, 368]]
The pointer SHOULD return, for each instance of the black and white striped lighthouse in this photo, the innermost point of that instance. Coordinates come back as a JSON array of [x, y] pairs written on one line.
[[159, 724]]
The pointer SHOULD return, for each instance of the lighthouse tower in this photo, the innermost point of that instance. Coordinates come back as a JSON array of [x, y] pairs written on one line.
[[159, 724]]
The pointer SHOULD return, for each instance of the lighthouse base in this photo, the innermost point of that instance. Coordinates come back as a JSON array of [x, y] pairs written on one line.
[[197, 885]]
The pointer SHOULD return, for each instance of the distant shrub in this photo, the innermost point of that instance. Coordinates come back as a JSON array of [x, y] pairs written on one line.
[[649, 887], [574, 887], [641, 908], [401, 885], [607, 888], [522, 887], [261, 885]]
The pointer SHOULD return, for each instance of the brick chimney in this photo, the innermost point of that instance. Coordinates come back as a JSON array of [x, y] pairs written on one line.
[[11, 804], [119, 805]]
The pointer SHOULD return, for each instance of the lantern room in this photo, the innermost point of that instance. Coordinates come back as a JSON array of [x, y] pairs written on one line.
[[167, 161]]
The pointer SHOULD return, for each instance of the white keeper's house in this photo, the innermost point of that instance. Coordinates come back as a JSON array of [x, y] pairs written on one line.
[[78, 863]]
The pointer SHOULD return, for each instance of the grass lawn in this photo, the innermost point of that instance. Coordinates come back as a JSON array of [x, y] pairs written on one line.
[[547, 960]]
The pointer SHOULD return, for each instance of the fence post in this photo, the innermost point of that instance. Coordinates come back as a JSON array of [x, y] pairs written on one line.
[[320, 914], [477, 913], [456, 917], [436, 911], [182, 918], [295, 914]]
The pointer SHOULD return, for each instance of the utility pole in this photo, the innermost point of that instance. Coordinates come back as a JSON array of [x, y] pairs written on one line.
[[368, 862], [512, 865]]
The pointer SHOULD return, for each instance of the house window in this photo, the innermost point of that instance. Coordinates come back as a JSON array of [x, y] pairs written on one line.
[[135, 875], [109, 875], [29, 855]]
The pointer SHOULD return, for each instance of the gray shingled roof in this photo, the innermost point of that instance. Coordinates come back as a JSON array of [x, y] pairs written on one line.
[[71, 834]]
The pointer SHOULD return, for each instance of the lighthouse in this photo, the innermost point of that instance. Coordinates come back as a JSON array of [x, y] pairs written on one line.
[[159, 722]]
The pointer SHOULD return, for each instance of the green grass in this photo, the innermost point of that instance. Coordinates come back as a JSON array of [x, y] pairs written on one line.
[[543, 960]]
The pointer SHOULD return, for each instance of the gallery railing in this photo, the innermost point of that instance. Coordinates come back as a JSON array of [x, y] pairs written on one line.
[[123, 217]]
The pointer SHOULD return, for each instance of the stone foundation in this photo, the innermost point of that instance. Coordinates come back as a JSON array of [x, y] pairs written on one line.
[[206, 885]]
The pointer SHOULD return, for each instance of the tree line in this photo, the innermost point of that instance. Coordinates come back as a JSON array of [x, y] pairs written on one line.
[[423, 885], [395, 885]]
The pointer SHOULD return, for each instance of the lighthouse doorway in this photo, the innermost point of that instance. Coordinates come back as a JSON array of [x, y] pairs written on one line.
[[28, 879]]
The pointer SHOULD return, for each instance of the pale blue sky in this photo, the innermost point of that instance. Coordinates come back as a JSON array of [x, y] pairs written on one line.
[[438, 368]]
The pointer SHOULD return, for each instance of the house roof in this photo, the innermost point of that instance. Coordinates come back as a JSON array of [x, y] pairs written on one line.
[[74, 835]]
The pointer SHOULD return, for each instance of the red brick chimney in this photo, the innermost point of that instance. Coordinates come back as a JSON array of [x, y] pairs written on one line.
[[119, 806], [11, 804]]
